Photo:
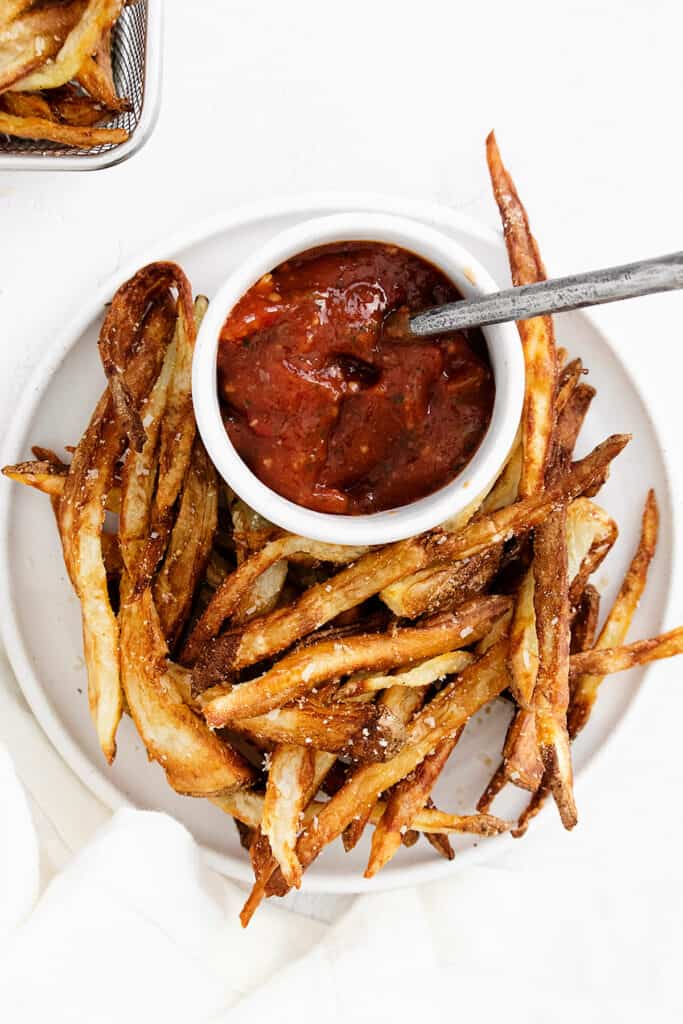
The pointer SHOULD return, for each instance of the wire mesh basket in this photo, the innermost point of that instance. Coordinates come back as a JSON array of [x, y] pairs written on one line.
[[136, 64]]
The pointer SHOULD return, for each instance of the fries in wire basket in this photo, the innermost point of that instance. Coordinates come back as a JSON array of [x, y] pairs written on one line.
[[313, 691], [56, 77]]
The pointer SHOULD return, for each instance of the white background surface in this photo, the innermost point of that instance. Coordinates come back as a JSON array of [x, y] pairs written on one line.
[[264, 99]]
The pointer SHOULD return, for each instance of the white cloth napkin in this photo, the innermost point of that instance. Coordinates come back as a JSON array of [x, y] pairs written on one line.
[[134, 927]]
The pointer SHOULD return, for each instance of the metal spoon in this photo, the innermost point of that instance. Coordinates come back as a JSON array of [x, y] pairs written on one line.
[[590, 289]]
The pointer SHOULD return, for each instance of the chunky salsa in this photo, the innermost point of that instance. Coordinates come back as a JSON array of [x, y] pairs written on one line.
[[325, 406]]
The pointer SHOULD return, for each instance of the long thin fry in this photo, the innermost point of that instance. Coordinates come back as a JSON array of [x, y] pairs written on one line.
[[442, 717], [430, 671], [301, 671], [537, 334], [238, 588], [290, 774], [53, 131], [404, 802], [618, 621]]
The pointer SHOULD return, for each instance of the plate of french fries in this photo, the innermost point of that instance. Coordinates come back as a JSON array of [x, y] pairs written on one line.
[[342, 719]]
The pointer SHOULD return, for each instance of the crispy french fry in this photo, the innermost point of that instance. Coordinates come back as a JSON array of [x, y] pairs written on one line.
[[430, 671], [83, 39], [289, 776], [22, 27], [362, 732], [406, 799], [506, 488], [585, 687], [239, 590], [195, 760], [378, 569], [53, 131], [301, 671], [537, 335], [42, 474], [432, 590], [618, 621], [442, 717], [189, 545]]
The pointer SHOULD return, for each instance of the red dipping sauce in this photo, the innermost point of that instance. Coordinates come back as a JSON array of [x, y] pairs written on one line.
[[329, 411]]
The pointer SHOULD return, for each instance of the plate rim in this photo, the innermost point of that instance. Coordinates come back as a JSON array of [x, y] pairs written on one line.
[[91, 775]]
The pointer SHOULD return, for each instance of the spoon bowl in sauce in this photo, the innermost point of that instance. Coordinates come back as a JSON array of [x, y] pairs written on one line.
[[318, 419]]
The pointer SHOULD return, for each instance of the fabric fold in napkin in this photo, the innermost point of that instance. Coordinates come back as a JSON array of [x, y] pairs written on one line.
[[136, 928]]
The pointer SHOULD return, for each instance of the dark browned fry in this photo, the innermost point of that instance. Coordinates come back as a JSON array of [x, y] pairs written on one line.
[[585, 624], [52, 131]]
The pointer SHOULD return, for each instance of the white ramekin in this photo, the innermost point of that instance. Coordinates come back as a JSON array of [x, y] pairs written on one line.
[[505, 354]]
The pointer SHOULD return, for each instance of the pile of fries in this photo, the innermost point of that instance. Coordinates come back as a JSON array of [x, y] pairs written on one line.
[[56, 81], [311, 690]]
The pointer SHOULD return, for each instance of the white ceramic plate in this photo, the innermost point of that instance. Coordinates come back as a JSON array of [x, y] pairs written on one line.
[[40, 616]]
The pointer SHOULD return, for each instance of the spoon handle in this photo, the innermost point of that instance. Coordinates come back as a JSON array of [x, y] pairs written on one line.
[[564, 293]]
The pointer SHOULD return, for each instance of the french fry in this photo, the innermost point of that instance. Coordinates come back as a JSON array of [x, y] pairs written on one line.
[[406, 799], [82, 40], [53, 131], [240, 589], [618, 621], [178, 431], [362, 732], [376, 570], [430, 671], [195, 760], [301, 671], [189, 545], [538, 341], [289, 776], [432, 590], [585, 687], [42, 474], [443, 716], [506, 488]]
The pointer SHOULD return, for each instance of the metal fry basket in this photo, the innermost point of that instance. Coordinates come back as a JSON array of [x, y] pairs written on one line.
[[136, 63]]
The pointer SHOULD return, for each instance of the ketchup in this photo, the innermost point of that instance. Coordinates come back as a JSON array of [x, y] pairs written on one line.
[[330, 411]]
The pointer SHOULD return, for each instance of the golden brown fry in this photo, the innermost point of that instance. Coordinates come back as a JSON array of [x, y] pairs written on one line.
[[402, 702], [442, 717], [189, 545], [301, 671], [96, 77], [83, 39], [123, 317], [537, 334], [289, 776], [551, 693], [195, 760], [30, 38], [362, 732], [604, 661], [585, 687], [430, 671], [434, 590], [406, 799], [44, 475], [52, 131], [71, 106], [27, 104], [178, 430], [240, 589], [618, 621]]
